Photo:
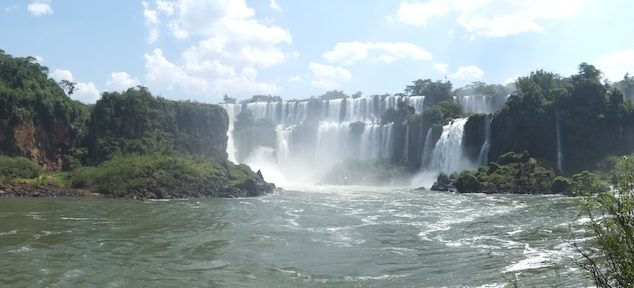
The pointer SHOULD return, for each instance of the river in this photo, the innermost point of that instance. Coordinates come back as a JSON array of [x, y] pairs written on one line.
[[318, 237]]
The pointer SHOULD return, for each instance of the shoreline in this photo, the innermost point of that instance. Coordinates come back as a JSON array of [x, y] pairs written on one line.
[[23, 190]]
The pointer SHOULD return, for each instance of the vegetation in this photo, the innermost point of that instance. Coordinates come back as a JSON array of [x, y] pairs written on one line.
[[137, 122], [434, 91], [167, 176], [610, 263], [18, 167], [35, 106], [595, 121]]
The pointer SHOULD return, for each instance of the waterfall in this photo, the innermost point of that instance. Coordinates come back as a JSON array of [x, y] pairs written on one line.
[[427, 149], [560, 153], [406, 144], [483, 157], [313, 135], [232, 110], [476, 103], [447, 156]]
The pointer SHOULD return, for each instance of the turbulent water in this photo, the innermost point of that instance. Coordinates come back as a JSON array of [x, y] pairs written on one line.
[[318, 237]]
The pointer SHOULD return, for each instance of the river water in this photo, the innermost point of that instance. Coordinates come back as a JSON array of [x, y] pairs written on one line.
[[318, 237]]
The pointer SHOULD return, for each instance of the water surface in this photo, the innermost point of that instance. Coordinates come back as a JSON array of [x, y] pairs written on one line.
[[319, 237]]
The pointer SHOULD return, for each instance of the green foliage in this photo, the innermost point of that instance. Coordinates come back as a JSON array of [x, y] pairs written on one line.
[[18, 168], [626, 87], [561, 185], [137, 122], [434, 91], [467, 181], [160, 176], [611, 214], [35, 106], [594, 119], [511, 173]]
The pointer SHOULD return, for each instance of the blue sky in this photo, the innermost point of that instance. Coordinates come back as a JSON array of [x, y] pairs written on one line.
[[203, 49]]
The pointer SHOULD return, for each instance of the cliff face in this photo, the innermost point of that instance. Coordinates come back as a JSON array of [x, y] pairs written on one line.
[[136, 122], [37, 120]]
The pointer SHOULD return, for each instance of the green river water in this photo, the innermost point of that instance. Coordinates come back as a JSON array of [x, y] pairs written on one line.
[[316, 237]]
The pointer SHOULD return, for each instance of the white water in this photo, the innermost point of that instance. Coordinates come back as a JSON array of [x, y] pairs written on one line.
[[232, 111], [448, 155], [560, 153], [335, 137], [483, 157], [476, 103], [427, 149]]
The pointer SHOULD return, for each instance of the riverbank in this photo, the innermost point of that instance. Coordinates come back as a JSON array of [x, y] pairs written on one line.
[[18, 189]]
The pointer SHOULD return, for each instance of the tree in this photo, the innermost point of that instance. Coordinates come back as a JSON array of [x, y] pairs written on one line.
[[434, 91], [68, 86], [228, 100], [610, 262]]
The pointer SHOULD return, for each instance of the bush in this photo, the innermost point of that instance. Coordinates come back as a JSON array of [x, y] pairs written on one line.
[[19, 168], [561, 185], [161, 176], [467, 182], [611, 262]]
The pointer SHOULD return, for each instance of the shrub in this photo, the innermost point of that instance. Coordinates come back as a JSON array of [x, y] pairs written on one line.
[[611, 262], [19, 168]]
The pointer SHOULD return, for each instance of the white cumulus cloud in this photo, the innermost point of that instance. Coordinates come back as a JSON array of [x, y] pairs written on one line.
[[491, 18], [275, 6], [40, 7], [228, 46], [85, 92], [419, 14], [295, 78], [207, 79], [615, 65], [348, 53], [441, 67], [327, 77], [121, 81], [468, 73]]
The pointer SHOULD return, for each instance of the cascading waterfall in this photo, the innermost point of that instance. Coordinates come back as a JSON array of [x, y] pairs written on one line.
[[560, 153], [427, 149], [339, 129], [232, 110], [483, 157], [475, 103], [447, 155], [406, 144]]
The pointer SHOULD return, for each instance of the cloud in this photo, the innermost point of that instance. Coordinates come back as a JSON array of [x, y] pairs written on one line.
[[420, 13], [468, 73], [442, 68], [228, 46], [511, 79], [85, 92], [492, 18], [151, 21], [295, 78], [121, 81], [275, 6], [209, 79], [348, 53], [327, 77], [40, 7], [615, 65]]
